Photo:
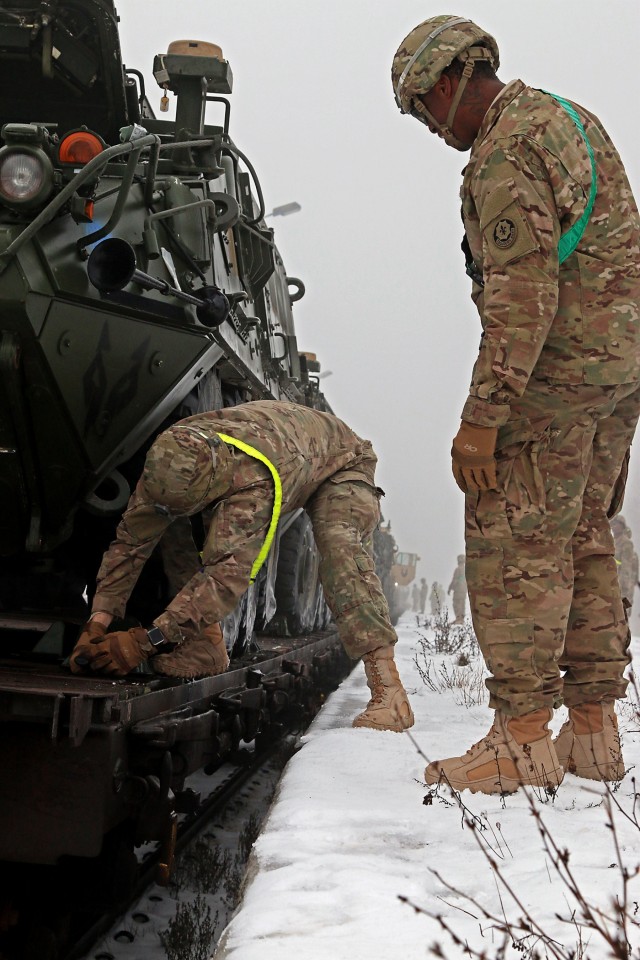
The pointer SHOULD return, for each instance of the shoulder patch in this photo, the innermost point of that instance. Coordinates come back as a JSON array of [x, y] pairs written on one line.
[[508, 237], [505, 233]]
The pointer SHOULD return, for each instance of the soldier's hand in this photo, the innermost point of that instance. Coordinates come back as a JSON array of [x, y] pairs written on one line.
[[473, 460], [117, 654], [83, 650]]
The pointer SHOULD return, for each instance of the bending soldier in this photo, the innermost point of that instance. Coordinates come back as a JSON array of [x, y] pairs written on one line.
[[551, 246], [242, 460]]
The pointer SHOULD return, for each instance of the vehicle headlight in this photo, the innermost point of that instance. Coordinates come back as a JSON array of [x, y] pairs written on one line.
[[26, 176]]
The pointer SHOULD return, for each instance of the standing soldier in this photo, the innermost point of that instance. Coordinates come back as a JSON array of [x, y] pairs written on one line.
[[626, 559], [459, 587], [415, 597], [249, 462], [552, 247], [436, 599], [424, 590]]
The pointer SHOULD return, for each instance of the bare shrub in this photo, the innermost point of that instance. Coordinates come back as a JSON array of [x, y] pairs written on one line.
[[630, 708], [201, 868], [596, 928], [248, 836], [233, 883], [465, 675], [465, 682], [449, 637], [191, 932]]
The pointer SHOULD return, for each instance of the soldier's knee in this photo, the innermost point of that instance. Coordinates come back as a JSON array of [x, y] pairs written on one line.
[[342, 510], [349, 580]]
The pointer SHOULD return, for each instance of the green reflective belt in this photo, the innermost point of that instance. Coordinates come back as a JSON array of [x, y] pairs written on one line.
[[277, 500], [570, 240]]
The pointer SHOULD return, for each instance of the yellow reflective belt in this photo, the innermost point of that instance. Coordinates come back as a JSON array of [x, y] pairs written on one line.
[[277, 500]]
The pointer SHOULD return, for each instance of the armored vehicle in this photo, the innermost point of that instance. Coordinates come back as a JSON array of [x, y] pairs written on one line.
[[139, 283]]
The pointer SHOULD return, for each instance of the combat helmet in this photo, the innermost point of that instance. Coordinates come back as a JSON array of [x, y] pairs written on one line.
[[179, 470], [426, 52]]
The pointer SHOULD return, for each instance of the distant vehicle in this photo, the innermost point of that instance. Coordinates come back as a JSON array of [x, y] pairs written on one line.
[[404, 567]]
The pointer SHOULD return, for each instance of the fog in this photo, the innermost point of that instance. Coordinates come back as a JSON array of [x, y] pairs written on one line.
[[377, 241]]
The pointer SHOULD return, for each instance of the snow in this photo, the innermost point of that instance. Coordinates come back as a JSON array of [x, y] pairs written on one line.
[[348, 835]]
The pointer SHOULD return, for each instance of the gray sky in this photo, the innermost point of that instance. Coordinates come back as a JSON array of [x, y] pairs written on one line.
[[377, 242]]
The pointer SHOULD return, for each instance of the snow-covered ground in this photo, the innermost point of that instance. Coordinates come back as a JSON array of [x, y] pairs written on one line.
[[349, 835]]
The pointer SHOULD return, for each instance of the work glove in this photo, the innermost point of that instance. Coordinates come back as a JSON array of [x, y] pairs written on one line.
[[472, 453], [84, 649], [117, 654]]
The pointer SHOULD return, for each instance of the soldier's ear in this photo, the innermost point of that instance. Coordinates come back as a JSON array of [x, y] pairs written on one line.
[[442, 91]]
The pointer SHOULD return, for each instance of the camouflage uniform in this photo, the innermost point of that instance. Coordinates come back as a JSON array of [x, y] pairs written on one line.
[[415, 598], [558, 373], [424, 590], [459, 587], [626, 559], [323, 466]]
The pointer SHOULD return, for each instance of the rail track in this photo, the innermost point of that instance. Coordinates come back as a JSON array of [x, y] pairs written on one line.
[[121, 918], [58, 910]]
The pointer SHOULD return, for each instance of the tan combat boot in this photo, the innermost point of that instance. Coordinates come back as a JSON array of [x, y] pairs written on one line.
[[203, 656], [388, 708], [517, 751], [588, 744]]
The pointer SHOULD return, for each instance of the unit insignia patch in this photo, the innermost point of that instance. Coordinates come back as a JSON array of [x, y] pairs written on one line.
[[505, 233]]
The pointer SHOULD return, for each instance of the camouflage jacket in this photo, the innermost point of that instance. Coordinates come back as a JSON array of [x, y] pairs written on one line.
[[527, 183], [306, 447]]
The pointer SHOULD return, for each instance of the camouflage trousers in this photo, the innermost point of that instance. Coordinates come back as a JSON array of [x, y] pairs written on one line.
[[344, 515], [541, 572], [459, 602]]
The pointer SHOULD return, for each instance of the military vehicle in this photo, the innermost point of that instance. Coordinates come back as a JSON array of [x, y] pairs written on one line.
[[139, 283]]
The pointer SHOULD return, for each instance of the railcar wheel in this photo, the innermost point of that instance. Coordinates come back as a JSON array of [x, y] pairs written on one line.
[[297, 580]]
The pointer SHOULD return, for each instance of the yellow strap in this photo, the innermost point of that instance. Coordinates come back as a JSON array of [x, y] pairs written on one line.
[[277, 500]]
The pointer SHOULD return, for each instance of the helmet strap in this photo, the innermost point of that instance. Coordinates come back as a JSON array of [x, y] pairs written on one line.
[[464, 79], [446, 128]]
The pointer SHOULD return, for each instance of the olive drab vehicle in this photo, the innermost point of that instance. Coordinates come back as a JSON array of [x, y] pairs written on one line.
[[139, 284]]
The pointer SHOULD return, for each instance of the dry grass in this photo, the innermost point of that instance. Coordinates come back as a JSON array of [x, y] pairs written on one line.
[[464, 674]]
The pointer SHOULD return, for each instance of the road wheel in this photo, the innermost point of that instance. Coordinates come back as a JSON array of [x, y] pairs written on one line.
[[297, 581]]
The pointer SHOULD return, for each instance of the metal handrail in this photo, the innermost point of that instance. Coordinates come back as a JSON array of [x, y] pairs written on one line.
[[134, 147]]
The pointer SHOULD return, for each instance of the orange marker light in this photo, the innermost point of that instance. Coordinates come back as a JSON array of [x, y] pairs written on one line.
[[79, 147]]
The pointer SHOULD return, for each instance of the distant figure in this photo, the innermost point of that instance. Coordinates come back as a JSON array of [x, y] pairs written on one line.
[[424, 590], [459, 586], [626, 559], [437, 598], [415, 598]]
